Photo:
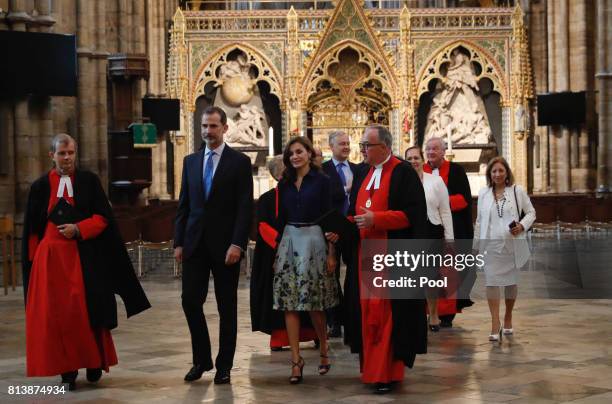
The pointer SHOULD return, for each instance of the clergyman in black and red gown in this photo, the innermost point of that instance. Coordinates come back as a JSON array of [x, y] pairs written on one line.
[[74, 262], [387, 203]]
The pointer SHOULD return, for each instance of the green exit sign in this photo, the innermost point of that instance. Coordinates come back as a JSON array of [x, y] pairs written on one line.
[[145, 134]]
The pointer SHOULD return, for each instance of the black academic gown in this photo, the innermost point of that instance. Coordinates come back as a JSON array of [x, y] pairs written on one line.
[[409, 319], [107, 269], [463, 229]]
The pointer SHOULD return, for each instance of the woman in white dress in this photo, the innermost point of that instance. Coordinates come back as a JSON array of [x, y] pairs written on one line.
[[438, 215], [505, 213]]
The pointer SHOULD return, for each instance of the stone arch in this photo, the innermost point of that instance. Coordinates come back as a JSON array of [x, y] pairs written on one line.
[[379, 70], [490, 68], [267, 72]]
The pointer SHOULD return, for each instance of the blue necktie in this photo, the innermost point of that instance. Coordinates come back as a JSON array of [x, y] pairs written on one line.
[[343, 180], [208, 174]]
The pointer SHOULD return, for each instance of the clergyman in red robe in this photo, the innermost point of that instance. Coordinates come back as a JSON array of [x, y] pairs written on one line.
[[74, 262], [387, 202]]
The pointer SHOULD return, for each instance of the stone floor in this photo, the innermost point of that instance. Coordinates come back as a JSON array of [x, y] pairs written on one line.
[[561, 353]]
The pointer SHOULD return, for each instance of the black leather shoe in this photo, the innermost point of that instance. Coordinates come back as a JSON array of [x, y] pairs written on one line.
[[93, 375], [276, 348], [222, 377], [335, 332], [70, 379], [195, 372], [383, 388]]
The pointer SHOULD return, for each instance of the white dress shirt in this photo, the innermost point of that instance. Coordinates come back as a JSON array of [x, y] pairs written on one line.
[[438, 205]]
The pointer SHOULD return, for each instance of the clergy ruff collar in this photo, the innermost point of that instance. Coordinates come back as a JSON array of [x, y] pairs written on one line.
[[376, 175]]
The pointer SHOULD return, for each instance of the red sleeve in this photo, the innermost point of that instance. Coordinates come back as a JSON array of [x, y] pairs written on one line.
[[92, 227], [457, 202], [268, 233], [390, 220], [32, 246], [351, 219]]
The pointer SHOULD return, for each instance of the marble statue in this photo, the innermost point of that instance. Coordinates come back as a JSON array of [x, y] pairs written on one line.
[[237, 85], [247, 129], [457, 107]]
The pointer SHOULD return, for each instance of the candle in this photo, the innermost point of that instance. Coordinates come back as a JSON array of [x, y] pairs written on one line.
[[271, 142], [411, 139], [449, 139], [302, 133]]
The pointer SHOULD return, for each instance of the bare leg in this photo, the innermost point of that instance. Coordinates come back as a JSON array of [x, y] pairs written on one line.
[[510, 293], [320, 325], [292, 322], [493, 296], [432, 306]]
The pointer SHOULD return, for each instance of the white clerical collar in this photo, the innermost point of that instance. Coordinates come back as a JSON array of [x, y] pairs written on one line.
[[377, 174], [65, 184], [218, 151]]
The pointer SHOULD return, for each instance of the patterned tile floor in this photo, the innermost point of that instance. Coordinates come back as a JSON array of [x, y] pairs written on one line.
[[561, 353]]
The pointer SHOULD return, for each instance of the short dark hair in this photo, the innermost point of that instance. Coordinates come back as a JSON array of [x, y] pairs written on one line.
[[412, 148], [502, 161], [216, 110]]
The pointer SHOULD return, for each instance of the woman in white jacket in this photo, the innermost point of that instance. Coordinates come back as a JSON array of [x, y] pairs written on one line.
[[505, 213], [439, 217]]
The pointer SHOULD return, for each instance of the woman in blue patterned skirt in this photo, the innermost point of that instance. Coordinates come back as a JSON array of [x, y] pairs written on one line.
[[305, 260]]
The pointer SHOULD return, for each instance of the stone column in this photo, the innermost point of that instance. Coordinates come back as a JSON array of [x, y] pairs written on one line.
[[27, 164], [45, 21], [539, 62], [101, 61], [124, 22], [579, 61], [86, 114], [558, 74], [604, 104]]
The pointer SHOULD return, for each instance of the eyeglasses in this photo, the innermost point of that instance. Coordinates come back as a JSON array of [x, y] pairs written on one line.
[[366, 145]]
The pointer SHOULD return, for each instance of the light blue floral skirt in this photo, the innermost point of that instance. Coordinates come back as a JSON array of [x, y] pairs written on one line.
[[301, 280]]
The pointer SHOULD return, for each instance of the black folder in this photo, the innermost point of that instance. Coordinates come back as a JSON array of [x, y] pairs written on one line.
[[63, 213], [335, 222]]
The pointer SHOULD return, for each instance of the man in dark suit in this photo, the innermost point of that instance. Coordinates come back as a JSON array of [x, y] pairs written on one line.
[[341, 172], [211, 232]]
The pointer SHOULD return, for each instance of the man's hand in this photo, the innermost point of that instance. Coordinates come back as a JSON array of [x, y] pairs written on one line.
[[333, 237], [178, 254], [68, 230], [365, 220], [233, 255], [518, 229]]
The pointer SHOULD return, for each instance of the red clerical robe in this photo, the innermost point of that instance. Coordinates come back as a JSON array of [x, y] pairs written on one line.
[[59, 337], [378, 362]]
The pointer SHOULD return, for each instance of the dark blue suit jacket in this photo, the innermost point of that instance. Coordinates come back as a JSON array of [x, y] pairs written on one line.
[[225, 218], [337, 189]]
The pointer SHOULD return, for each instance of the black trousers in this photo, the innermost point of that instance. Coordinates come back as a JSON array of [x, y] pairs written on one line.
[[196, 274]]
